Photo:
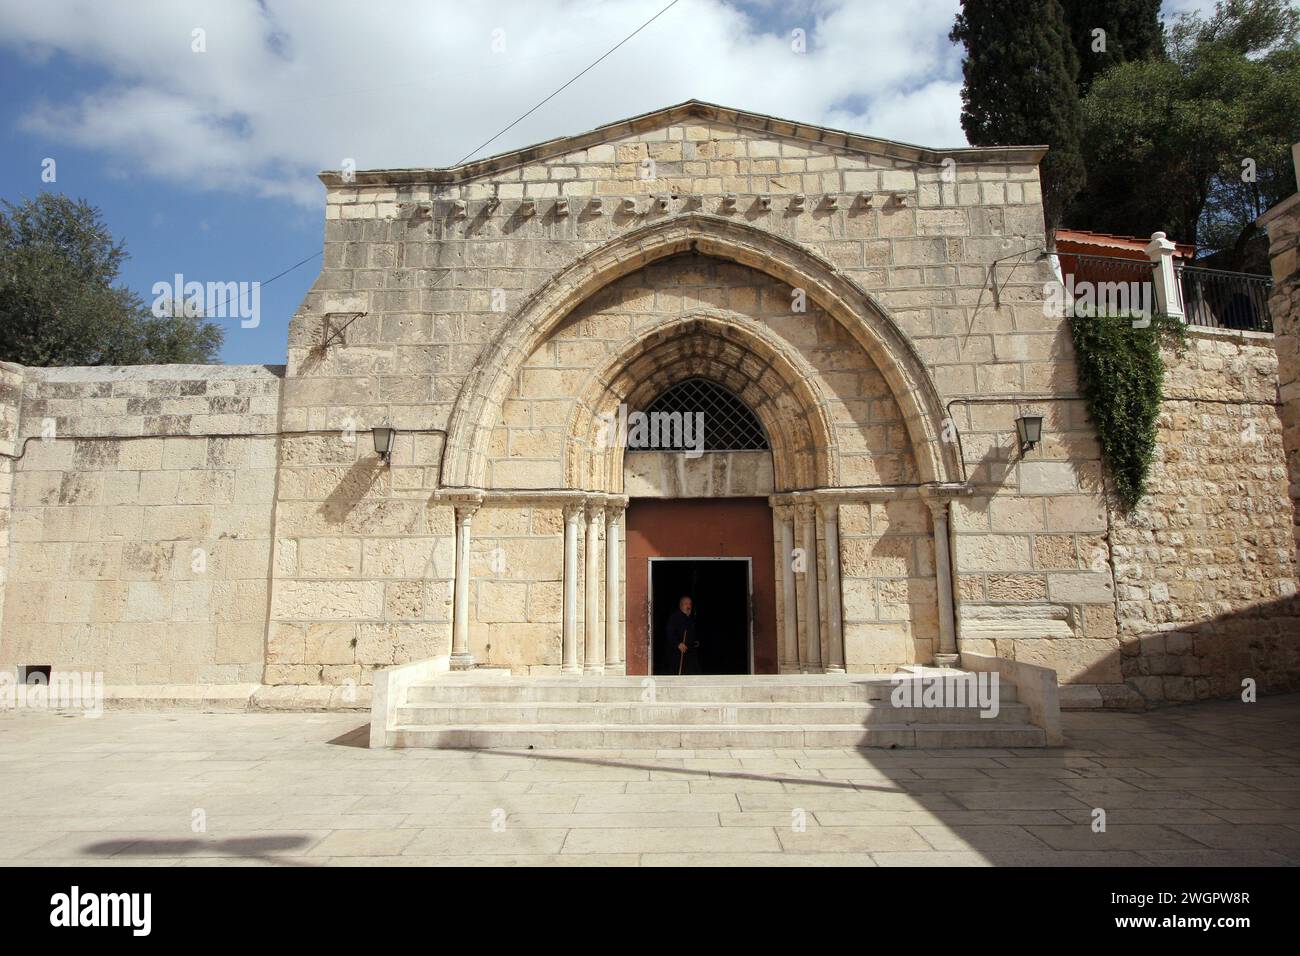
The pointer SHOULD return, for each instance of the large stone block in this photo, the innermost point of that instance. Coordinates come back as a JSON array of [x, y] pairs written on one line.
[[333, 600], [1081, 587]]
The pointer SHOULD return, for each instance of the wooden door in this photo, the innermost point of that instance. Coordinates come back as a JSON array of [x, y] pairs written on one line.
[[699, 528]]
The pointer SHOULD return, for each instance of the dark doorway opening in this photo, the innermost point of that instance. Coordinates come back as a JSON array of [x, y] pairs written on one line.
[[694, 529], [719, 590]]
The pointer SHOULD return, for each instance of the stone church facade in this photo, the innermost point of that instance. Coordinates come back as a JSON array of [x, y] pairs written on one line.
[[879, 309]]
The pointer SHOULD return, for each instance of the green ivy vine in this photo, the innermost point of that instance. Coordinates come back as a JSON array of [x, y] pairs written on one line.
[[1122, 376]]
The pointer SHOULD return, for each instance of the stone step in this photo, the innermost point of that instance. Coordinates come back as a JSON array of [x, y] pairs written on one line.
[[598, 714], [703, 736], [792, 689]]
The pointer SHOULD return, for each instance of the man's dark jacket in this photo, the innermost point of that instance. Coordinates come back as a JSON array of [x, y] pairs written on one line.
[[681, 630]]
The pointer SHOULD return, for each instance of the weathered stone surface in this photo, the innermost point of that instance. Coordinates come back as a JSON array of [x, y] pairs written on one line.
[[859, 330], [1205, 565]]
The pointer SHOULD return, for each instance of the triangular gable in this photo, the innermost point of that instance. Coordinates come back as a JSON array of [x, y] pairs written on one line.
[[690, 111]]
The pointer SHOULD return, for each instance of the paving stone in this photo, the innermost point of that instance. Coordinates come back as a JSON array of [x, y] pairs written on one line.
[[852, 839], [1115, 837], [277, 792], [485, 840], [361, 842], [672, 840], [977, 838]]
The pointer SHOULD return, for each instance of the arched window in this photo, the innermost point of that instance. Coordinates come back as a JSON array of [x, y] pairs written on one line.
[[727, 422]]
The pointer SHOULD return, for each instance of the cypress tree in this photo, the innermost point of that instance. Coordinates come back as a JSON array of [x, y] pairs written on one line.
[[1021, 88], [1131, 30]]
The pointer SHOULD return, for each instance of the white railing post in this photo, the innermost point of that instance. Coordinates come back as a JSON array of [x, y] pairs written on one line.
[[1168, 295]]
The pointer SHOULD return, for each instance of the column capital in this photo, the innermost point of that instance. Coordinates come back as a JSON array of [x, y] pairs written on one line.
[[1160, 245], [466, 504], [595, 509], [829, 509], [938, 507], [937, 499], [573, 508]]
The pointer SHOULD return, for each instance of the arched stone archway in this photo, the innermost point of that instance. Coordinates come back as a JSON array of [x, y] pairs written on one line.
[[773, 380], [477, 405]]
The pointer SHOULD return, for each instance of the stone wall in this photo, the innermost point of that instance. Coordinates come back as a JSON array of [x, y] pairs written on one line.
[[1033, 579], [1205, 566], [516, 599], [11, 394], [723, 474], [887, 566], [867, 439], [428, 271], [491, 312], [434, 283], [1283, 224], [363, 558], [140, 523], [1178, 600]]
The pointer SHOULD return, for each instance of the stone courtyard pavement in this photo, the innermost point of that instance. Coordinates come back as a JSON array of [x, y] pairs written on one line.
[[1214, 783]]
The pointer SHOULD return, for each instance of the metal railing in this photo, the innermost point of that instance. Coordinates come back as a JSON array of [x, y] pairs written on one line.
[[1108, 285], [1225, 300], [1105, 268]]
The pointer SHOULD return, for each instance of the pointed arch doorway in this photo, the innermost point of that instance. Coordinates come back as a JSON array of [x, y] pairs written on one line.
[[699, 532]]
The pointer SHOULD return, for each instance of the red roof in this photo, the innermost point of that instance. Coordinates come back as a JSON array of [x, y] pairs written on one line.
[[1083, 242]]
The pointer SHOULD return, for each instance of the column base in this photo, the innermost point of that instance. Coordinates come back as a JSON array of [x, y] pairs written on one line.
[[947, 660], [593, 670], [618, 669], [463, 662], [835, 669], [571, 670]]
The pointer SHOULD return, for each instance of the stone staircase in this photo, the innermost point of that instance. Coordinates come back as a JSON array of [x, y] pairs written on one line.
[[491, 709]]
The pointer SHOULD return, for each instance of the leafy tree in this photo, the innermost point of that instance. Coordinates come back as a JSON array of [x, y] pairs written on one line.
[[1131, 31], [1197, 143], [58, 301], [1020, 75]]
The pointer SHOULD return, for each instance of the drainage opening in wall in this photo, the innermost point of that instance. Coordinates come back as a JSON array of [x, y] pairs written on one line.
[[35, 673]]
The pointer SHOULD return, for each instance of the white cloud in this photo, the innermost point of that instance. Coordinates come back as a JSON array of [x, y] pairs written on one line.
[[294, 86]]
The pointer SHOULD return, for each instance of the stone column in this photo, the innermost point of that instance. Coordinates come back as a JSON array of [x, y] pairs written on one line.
[[569, 640], [593, 658], [947, 655], [812, 600], [790, 615], [614, 641], [830, 512], [461, 658]]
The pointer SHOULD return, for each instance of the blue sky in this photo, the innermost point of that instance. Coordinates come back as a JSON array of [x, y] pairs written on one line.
[[204, 162]]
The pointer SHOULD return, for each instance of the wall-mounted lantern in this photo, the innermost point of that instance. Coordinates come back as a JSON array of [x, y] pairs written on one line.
[[1029, 429], [383, 435]]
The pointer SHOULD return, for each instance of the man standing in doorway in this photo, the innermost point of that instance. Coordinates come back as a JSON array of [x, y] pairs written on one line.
[[681, 637]]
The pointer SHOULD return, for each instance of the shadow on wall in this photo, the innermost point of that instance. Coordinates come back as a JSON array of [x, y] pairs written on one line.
[[1198, 661], [353, 488]]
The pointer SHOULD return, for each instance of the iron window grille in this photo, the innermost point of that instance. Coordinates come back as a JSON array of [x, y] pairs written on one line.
[[729, 425]]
